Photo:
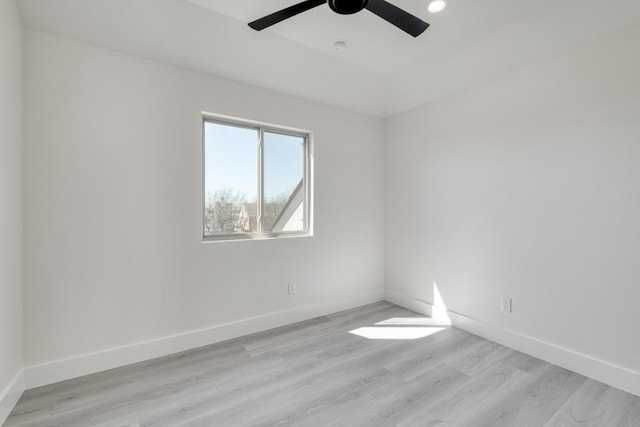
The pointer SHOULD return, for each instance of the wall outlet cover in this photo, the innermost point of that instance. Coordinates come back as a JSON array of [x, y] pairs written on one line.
[[505, 304]]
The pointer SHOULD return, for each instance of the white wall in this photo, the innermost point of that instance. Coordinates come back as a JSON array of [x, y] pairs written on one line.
[[113, 205], [10, 202], [528, 187]]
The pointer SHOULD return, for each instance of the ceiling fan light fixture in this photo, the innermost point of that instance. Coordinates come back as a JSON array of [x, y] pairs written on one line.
[[436, 6]]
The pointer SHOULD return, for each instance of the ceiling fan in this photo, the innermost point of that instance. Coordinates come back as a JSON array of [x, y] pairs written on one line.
[[385, 10]]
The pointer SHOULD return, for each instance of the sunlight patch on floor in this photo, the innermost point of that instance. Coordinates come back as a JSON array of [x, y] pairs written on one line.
[[396, 332], [410, 328], [411, 321]]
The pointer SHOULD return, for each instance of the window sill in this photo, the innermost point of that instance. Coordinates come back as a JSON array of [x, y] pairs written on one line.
[[250, 238]]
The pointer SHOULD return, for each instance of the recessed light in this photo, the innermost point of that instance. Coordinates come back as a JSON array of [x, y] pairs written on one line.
[[340, 46], [437, 6]]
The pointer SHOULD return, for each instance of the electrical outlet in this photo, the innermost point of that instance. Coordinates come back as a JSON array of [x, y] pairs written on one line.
[[292, 288], [505, 304]]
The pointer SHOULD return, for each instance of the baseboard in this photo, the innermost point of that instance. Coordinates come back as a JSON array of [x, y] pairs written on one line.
[[60, 370], [10, 395], [597, 369], [413, 304]]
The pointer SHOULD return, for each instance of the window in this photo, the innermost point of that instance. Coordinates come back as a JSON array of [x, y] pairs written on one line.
[[256, 180]]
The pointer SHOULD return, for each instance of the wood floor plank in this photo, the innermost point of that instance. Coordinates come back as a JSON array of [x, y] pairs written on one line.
[[421, 359], [97, 385], [314, 378], [320, 373], [524, 362], [325, 335], [594, 405], [125, 421], [390, 406], [631, 417], [461, 406], [478, 357], [535, 402]]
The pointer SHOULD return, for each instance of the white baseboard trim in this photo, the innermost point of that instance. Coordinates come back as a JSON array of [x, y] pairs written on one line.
[[413, 304], [73, 367], [10, 395], [592, 367]]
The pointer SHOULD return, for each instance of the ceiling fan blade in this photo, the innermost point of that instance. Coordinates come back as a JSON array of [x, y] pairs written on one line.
[[398, 17], [281, 15]]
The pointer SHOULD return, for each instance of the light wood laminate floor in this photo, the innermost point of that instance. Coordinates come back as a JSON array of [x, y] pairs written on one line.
[[321, 373]]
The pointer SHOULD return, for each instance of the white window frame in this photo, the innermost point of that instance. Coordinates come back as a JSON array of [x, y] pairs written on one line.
[[307, 178]]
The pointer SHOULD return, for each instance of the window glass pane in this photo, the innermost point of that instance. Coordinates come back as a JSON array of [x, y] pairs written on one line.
[[231, 179], [284, 190]]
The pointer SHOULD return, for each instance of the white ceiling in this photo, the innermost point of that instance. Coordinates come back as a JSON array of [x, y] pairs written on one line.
[[383, 71], [374, 44]]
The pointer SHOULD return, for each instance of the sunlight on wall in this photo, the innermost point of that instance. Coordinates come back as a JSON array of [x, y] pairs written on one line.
[[439, 312]]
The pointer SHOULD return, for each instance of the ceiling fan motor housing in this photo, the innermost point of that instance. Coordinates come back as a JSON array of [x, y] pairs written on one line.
[[347, 7], [407, 22]]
